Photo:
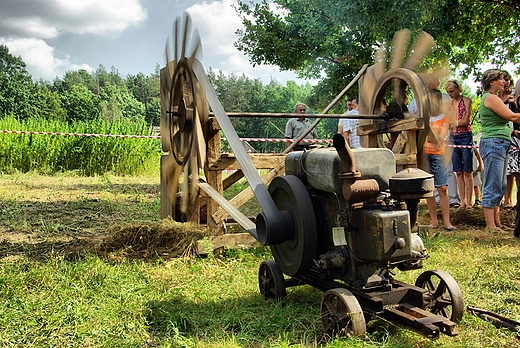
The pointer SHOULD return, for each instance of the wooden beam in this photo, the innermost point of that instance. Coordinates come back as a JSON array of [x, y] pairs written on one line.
[[247, 194], [233, 178], [230, 241], [399, 143], [405, 159], [392, 126], [260, 160]]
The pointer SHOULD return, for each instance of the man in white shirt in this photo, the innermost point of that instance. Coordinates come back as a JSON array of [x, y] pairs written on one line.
[[348, 126]]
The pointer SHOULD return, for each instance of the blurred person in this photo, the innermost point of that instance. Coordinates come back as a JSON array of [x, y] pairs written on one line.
[[296, 126], [435, 160], [513, 159], [478, 168], [495, 141], [461, 137], [516, 232]]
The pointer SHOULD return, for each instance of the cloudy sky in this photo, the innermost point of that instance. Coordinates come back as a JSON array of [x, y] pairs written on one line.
[[54, 36]]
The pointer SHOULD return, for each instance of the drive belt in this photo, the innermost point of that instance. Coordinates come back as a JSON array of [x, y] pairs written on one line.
[[246, 164]]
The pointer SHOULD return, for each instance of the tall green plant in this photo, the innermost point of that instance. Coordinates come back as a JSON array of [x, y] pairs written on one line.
[[85, 155]]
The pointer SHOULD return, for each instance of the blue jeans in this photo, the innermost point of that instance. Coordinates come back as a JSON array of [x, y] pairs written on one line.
[[494, 155], [438, 169], [462, 159]]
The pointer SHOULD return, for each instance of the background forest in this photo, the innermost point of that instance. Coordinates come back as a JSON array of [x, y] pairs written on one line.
[[80, 98]]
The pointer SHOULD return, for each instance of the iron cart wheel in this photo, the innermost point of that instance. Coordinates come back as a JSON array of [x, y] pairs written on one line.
[[271, 281], [295, 256], [341, 314], [444, 296]]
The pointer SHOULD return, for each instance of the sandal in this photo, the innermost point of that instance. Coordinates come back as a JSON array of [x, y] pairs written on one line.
[[432, 227], [451, 228]]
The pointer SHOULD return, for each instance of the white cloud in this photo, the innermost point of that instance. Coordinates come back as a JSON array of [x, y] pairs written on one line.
[[217, 22], [40, 59], [25, 23], [48, 18]]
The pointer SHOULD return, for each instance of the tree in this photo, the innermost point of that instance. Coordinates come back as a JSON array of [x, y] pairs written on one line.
[[80, 104], [338, 37], [47, 102], [15, 86]]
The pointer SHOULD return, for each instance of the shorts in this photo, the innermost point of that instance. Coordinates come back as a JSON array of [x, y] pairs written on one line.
[[437, 166], [462, 158], [494, 155]]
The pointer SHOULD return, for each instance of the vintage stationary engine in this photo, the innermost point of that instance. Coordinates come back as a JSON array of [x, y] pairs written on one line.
[[339, 220], [350, 227]]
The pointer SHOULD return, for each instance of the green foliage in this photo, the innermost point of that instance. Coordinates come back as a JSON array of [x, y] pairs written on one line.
[[85, 155], [80, 104], [242, 94], [15, 85], [338, 37]]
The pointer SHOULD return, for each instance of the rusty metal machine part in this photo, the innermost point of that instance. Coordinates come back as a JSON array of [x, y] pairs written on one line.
[[342, 314]]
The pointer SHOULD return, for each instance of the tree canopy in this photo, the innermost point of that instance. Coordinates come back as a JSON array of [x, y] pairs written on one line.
[[338, 37]]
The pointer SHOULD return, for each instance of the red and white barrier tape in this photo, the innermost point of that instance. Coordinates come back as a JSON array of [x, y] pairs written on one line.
[[463, 146], [82, 134], [273, 140]]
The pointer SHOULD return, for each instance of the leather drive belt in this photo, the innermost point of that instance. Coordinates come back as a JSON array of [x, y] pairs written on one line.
[[246, 164]]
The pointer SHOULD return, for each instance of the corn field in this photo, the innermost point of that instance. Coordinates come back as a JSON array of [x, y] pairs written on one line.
[[87, 156]]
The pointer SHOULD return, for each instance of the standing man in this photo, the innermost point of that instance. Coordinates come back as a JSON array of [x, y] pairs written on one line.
[[296, 126], [348, 126]]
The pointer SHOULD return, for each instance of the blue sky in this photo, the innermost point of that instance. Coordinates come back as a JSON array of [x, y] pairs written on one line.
[[54, 36]]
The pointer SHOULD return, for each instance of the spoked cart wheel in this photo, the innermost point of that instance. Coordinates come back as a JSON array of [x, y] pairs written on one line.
[[341, 314], [271, 281], [444, 296]]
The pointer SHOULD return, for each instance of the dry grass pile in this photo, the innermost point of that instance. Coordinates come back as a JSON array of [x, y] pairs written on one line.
[[166, 238]]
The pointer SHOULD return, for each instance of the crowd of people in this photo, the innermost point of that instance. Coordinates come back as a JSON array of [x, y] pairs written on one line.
[[457, 168]]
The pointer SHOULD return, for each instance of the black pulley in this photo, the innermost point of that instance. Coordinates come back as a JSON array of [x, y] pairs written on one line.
[[295, 255]]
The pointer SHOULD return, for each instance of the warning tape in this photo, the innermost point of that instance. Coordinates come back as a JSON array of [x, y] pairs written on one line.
[[463, 146], [273, 140], [82, 134]]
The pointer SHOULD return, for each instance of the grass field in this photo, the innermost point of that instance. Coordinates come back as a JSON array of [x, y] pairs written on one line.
[[86, 262]]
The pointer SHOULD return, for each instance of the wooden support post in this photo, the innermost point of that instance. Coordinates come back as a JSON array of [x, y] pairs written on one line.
[[214, 177]]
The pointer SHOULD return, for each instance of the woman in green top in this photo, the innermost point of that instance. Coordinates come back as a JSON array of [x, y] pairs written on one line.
[[495, 141]]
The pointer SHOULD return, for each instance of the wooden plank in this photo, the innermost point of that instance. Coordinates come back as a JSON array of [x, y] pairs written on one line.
[[392, 126], [239, 217], [229, 241], [260, 160], [399, 143], [166, 204], [405, 159], [214, 178], [233, 178], [247, 194]]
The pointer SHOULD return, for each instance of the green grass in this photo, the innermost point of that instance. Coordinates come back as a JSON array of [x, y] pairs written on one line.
[[50, 300]]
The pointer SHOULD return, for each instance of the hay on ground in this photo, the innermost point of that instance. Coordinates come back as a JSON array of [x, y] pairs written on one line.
[[165, 238]]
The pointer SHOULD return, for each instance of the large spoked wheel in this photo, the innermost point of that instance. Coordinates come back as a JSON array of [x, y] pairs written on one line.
[[271, 281], [444, 296], [295, 256], [404, 77], [341, 314]]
